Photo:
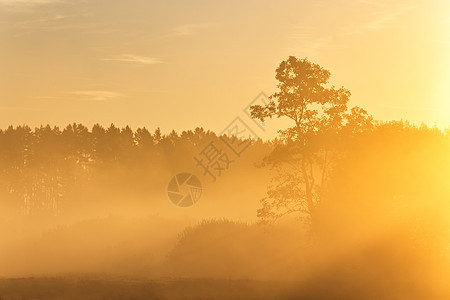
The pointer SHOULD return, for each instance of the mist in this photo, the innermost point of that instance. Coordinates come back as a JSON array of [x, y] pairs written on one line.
[[382, 229]]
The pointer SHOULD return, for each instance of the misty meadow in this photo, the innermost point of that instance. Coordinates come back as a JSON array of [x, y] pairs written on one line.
[[350, 206], [240, 150]]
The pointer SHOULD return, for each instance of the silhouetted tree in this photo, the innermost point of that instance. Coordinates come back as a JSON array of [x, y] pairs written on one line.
[[303, 155]]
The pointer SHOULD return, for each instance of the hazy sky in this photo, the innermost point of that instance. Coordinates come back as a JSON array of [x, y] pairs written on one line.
[[182, 64]]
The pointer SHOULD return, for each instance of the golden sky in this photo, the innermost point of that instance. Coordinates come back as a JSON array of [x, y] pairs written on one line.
[[182, 64]]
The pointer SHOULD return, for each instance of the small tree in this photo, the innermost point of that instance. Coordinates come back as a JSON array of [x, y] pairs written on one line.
[[302, 157]]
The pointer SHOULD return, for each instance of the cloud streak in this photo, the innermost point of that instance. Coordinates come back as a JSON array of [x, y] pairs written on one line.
[[186, 30], [27, 2], [384, 17], [132, 58], [310, 38], [379, 19], [25, 6], [96, 95], [19, 108], [373, 3]]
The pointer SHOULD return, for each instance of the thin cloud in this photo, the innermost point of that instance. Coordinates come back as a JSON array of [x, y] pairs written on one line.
[[374, 3], [96, 95], [380, 19], [187, 29], [88, 28], [28, 2], [58, 22], [146, 60], [307, 39], [19, 108], [310, 39], [25, 6], [38, 21], [383, 18]]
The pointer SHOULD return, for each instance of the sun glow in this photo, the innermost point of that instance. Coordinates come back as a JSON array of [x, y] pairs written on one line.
[[444, 93]]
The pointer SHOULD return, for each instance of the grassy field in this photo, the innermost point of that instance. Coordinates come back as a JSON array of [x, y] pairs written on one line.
[[117, 288]]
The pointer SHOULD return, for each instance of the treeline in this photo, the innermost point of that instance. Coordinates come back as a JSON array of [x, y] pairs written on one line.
[[47, 169]]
